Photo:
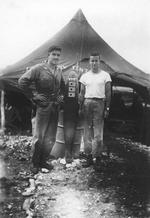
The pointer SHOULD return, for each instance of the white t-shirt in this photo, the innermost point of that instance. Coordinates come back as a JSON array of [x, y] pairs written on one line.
[[95, 83]]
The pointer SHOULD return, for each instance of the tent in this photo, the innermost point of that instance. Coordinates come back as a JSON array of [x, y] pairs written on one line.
[[77, 40]]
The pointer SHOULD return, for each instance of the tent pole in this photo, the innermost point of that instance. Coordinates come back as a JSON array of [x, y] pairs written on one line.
[[2, 113]]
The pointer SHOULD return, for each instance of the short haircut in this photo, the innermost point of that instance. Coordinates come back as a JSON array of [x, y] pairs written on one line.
[[54, 48], [95, 54]]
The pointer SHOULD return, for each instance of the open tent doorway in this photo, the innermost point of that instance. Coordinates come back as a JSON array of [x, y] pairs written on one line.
[[127, 113], [18, 112]]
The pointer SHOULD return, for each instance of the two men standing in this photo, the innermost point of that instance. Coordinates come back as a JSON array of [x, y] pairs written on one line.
[[95, 96], [44, 84]]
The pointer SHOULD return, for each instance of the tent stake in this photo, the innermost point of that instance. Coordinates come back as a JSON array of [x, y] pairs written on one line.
[[2, 113]]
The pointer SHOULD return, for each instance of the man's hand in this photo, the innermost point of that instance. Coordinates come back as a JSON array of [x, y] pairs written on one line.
[[40, 100], [106, 112], [80, 99]]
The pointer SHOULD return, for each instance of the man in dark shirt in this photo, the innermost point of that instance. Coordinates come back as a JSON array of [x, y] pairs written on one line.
[[44, 84]]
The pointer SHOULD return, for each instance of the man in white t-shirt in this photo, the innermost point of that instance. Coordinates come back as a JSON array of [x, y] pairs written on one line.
[[95, 96]]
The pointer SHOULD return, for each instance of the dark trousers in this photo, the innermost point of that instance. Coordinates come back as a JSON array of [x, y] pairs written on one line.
[[44, 133], [70, 122]]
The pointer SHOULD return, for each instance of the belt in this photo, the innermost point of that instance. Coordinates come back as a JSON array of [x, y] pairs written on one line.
[[95, 99], [52, 98]]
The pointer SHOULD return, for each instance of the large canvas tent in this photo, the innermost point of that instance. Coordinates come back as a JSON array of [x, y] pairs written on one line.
[[77, 40]]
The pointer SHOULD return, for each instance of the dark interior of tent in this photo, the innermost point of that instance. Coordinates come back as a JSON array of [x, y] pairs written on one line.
[[126, 115]]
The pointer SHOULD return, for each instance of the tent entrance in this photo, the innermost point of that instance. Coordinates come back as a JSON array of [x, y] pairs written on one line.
[[18, 110], [126, 112]]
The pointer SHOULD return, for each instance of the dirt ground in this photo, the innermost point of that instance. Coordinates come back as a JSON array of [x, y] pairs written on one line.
[[120, 188]]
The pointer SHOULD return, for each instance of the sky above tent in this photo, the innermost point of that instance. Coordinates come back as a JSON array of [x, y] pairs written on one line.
[[123, 24]]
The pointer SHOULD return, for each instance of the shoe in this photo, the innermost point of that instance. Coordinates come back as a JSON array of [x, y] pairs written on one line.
[[51, 157], [88, 161], [68, 157], [46, 166], [69, 160], [34, 170], [82, 155], [97, 164], [104, 156], [98, 161]]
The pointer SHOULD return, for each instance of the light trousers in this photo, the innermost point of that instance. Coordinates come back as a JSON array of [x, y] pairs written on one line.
[[93, 126]]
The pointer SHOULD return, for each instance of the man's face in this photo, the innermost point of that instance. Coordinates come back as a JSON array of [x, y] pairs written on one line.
[[94, 63], [54, 57]]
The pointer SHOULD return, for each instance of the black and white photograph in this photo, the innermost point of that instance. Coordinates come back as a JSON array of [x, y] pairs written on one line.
[[74, 109]]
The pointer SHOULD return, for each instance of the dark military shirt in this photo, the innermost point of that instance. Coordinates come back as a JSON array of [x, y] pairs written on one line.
[[40, 79]]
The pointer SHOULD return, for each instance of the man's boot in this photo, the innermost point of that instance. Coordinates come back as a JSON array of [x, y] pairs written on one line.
[[44, 164], [97, 163], [68, 157], [88, 161]]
